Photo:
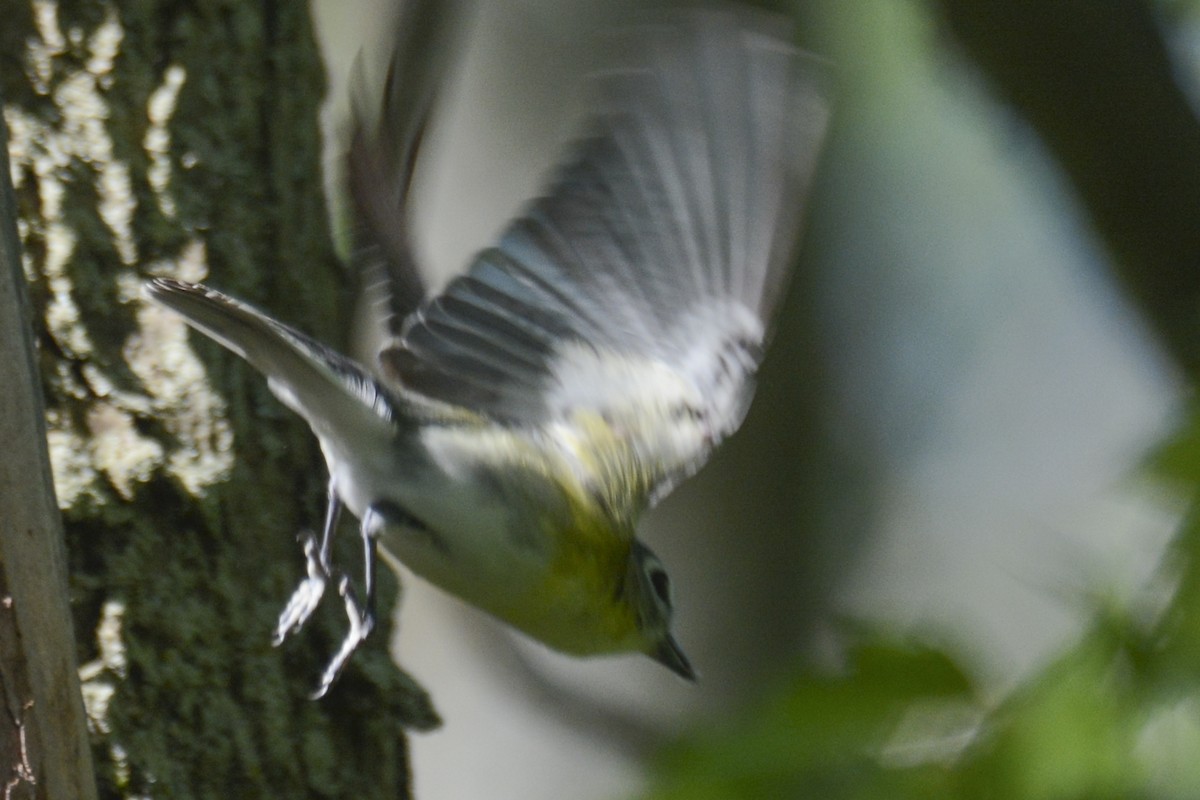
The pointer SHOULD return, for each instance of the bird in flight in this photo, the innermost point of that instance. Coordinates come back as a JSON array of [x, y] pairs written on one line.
[[514, 427]]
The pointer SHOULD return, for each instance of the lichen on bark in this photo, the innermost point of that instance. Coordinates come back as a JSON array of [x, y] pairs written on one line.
[[160, 137]]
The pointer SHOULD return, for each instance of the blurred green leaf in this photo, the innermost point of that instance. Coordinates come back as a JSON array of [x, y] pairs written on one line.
[[1067, 733], [1177, 460], [1115, 716], [826, 734]]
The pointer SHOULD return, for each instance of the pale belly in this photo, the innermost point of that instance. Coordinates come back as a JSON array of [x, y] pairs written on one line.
[[473, 512], [446, 524]]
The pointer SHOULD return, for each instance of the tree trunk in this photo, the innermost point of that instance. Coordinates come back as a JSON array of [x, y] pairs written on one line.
[[181, 139], [44, 749]]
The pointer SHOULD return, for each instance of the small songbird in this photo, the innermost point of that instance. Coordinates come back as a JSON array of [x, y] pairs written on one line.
[[516, 426]]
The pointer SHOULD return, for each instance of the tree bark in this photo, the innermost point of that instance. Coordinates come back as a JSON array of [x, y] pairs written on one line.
[[182, 139], [44, 750]]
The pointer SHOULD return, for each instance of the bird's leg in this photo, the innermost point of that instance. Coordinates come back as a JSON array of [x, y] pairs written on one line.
[[362, 618], [308, 594], [333, 510], [371, 528]]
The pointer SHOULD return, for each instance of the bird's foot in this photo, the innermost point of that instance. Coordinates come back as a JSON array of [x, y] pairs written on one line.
[[307, 597], [362, 622]]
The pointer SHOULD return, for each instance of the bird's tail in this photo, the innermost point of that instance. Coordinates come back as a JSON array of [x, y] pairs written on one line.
[[333, 394]]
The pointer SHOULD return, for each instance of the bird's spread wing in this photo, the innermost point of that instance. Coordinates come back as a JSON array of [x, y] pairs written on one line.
[[381, 161], [627, 310]]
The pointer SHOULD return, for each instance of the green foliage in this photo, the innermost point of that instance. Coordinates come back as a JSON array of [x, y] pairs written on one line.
[[831, 735], [1115, 716]]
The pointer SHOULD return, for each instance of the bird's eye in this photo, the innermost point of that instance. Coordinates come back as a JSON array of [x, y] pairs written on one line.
[[662, 585]]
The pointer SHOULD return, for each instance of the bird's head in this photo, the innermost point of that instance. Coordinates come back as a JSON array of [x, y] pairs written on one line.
[[648, 589]]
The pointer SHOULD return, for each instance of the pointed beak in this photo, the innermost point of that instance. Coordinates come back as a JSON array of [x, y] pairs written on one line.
[[671, 656]]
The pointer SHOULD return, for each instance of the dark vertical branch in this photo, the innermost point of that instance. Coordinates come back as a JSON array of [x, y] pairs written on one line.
[[44, 750], [1094, 79]]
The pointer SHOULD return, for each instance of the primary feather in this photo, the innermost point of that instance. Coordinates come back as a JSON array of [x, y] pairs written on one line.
[[639, 290]]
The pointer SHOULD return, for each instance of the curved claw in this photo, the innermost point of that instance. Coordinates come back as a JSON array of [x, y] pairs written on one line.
[[362, 622], [308, 594], [306, 598]]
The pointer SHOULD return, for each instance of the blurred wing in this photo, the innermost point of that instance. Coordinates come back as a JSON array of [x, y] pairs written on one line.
[[628, 309], [382, 158]]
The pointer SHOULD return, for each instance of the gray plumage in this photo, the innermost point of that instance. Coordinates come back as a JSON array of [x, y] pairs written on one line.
[[517, 424], [665, 237]]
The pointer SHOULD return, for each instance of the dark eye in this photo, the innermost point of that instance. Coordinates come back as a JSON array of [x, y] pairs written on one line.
[[661, 584]]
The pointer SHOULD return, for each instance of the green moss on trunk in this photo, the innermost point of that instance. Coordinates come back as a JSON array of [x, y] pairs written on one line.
[[205, 707]]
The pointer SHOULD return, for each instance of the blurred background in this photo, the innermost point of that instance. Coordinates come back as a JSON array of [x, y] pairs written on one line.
[[949, 430], [948, 555]]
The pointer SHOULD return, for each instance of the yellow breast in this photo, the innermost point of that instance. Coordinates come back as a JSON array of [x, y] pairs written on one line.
[[552, 558], [580, 606]]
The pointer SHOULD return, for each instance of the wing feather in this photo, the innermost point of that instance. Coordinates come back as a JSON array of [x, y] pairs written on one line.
[[639, 290], [381, 164], [330, 391]]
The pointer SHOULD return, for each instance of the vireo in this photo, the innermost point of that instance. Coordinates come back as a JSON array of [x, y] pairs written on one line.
[[516, 425]]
